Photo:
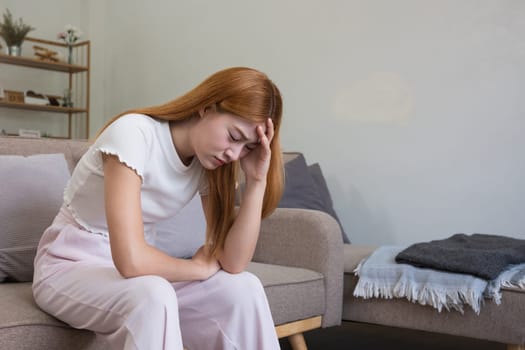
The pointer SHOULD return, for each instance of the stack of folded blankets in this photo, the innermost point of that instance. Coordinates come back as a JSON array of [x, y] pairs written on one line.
[[449, 273]]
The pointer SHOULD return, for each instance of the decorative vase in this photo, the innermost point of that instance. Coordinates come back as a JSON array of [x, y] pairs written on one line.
[[70, 54], [68, 98], [14, 50]]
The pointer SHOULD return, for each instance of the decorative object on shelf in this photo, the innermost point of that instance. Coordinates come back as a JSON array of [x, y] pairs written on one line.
[[68, 98], [53, 101], [32, 97], [13, 32], [45, 54], [70, 35], [14, 96], [29, 133]]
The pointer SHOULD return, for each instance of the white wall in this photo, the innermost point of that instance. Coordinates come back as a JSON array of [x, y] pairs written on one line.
[[414, 109]]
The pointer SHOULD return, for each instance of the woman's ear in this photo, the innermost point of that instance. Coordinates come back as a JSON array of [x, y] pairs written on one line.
[[206, 109]]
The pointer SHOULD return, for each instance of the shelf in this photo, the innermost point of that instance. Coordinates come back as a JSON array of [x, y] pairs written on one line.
[[32, 63], [43, 108], [78, 82], [42, 137]]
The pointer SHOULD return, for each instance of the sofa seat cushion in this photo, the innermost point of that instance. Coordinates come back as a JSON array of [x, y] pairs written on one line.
[[353, 254], [24, 326], [19, 308], [293, 293]]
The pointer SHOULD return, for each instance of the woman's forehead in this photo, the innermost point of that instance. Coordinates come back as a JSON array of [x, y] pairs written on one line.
[[248, 127]]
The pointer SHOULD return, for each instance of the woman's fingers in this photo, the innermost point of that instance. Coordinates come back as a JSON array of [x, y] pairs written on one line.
[[266, 137], [269, 129]]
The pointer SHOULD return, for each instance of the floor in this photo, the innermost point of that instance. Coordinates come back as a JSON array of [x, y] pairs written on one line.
[[359, 336]]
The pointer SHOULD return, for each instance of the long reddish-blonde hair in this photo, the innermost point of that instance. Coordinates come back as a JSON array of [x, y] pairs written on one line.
[[251, 95]]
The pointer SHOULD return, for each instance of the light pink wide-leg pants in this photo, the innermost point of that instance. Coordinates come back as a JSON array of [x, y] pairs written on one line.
[[76, 281]]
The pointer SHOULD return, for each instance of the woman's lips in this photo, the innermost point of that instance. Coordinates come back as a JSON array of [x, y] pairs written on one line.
[[220, 162]]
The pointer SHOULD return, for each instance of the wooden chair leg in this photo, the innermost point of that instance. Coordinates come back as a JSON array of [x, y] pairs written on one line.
[[297, 341], [515, 347], [298, 327], [294, 331]]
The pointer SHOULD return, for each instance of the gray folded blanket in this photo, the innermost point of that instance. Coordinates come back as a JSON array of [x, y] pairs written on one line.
[[481, 255]]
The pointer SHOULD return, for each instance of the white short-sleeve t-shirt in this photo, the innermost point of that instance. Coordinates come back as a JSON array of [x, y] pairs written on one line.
[[144, 144]]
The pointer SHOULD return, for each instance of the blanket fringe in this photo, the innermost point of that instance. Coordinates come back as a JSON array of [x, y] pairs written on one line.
[[439, 299], [513, 277]]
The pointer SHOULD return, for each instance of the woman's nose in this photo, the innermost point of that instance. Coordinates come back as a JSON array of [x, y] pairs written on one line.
[[234, 152]]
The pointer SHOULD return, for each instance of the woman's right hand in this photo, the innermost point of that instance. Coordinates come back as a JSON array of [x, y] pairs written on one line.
[[206, 262]]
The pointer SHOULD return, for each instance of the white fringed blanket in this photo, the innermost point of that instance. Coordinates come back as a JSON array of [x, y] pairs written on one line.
[[381, 277]]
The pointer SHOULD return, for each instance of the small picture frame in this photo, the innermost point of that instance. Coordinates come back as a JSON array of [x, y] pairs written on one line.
[[29, 133], [14, 96]]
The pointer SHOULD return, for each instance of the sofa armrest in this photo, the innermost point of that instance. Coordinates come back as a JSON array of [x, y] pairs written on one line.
[[308, 239]]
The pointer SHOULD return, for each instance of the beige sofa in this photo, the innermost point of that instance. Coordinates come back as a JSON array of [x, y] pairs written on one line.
[[299, 259]]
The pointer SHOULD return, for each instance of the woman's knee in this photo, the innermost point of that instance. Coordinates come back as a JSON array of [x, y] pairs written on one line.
[[241, 288], [152, 293]]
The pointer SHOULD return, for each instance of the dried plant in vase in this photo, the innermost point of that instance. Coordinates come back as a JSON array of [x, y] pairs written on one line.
[[13, 32]]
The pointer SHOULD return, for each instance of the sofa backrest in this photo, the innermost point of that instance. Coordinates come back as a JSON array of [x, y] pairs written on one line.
[[72, 149]]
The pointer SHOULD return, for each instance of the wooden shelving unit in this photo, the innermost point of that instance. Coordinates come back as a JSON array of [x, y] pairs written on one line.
[[32, 63], [73, 70], [46, 108]]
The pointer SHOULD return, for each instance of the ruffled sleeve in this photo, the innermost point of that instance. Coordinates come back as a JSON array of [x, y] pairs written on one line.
[[127, 138]]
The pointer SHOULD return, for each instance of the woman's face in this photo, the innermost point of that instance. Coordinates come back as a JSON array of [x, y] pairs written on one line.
[[219, 138]]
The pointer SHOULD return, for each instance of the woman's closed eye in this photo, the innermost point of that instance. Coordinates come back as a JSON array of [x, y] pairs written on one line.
[[234, 138], [239, 137]]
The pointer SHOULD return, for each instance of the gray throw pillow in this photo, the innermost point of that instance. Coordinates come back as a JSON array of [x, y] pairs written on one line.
[[322, 188], [31, 190], [306, 188], [300, 189]]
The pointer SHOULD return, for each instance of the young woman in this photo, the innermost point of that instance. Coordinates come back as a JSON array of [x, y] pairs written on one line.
[[94, 268]]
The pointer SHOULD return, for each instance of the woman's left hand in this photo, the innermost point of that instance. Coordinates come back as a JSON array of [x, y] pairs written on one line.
[[256, 163]]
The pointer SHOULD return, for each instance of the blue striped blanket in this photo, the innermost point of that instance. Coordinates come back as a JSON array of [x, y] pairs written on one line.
[[381, 277]]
